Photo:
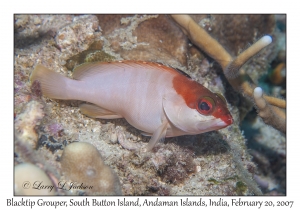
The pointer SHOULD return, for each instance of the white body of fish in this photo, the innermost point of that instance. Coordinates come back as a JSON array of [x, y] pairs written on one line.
[[143, 93]]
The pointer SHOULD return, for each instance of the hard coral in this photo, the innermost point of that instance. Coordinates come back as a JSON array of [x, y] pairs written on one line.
[[233, 31], [26, 122], [82, 163], [277, 76], [236, 32], [31, 180]]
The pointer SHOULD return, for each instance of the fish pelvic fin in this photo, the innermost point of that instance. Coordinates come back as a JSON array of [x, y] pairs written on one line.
[[158, 135]]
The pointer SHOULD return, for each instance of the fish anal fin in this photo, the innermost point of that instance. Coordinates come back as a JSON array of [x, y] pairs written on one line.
[[158, 135], [95, 111]]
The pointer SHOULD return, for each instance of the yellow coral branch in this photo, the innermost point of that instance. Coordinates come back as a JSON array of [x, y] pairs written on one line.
[[231, 70], [203, 40], [276, 101], [271, 115]]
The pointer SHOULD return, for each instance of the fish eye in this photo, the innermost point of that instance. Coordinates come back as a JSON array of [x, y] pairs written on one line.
[[206, 105]]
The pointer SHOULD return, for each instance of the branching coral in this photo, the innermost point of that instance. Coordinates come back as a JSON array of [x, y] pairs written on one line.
[[240, 81], [270, 114]]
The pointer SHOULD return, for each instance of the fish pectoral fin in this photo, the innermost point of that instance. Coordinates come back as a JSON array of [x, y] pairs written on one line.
[[159, 134], [95, 111]]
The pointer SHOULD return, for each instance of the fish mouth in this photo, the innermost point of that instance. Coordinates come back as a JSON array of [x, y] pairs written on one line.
[[212, 124], [227, 119], [220, 124], [223, 122]]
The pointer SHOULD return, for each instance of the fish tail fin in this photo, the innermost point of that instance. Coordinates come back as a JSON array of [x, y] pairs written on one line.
[[53, 84]]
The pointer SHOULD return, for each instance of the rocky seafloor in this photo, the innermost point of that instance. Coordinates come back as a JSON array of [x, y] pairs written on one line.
[[245, 158]]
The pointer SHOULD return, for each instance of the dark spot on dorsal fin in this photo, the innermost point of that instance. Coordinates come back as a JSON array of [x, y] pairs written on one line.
[[180, 71], [185, 74]]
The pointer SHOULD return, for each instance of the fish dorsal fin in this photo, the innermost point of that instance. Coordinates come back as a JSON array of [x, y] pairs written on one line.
[[86, 70], [183, 73], [95, 111], [176, 69]]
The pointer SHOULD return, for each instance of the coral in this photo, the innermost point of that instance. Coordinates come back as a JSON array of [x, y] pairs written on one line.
[[81, 162], [277, 76], [24, 153], [31, 180], [26, 122], [234, 32], [246, 28], [246, 55], [271, 115]]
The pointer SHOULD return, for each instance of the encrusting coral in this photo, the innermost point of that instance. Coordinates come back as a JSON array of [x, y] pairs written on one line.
[[231, 68], [82, 163]]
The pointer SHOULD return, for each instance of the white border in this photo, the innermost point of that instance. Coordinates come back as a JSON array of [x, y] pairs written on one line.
[[8, 8]]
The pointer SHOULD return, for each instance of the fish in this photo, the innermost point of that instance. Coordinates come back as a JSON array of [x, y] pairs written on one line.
[[154, 98]]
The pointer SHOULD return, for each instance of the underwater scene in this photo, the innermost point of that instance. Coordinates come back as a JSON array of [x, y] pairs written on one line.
[[155, 105]]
